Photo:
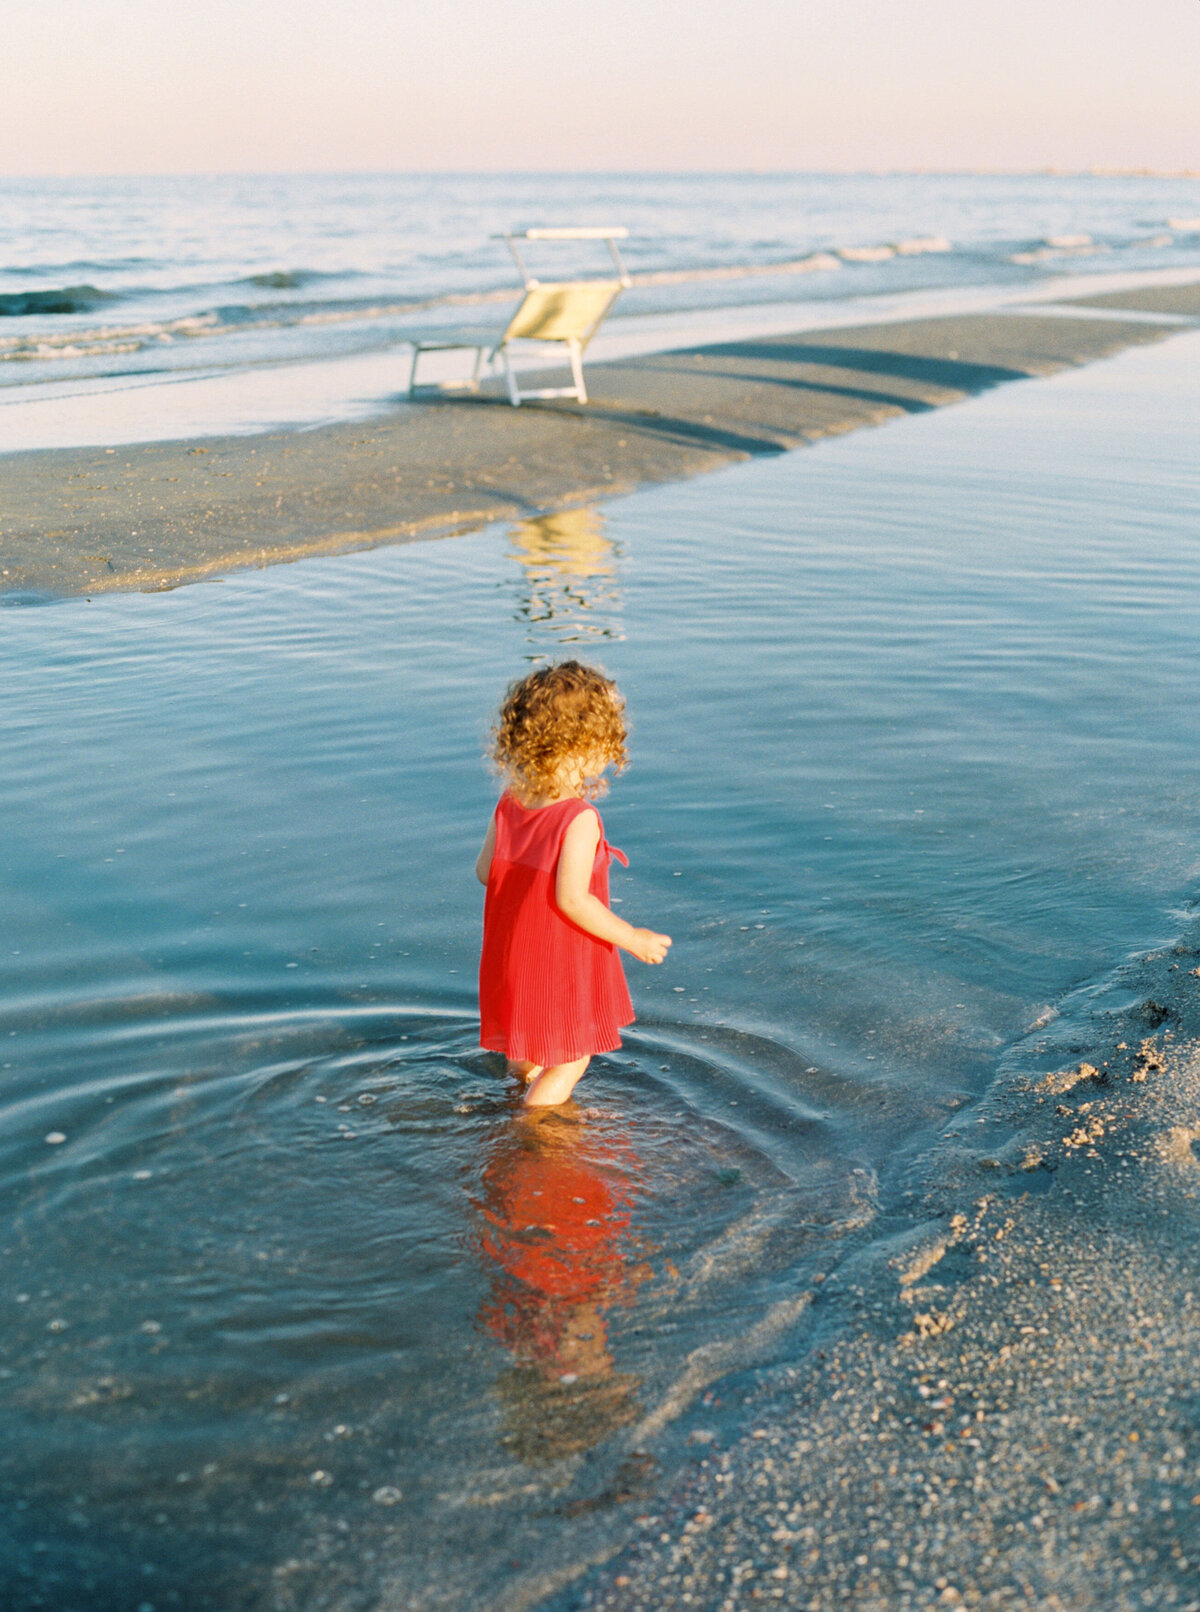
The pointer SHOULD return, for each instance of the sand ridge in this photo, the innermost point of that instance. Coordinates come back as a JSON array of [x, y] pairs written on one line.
[[155, 515]]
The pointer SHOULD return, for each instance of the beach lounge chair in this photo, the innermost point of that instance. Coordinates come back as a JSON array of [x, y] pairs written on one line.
[[568, 312]]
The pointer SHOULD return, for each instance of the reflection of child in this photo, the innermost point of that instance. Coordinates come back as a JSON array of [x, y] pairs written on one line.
[[555, 1234], [551, 988]]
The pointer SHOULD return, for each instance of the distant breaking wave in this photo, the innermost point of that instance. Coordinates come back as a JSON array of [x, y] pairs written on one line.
[[140, 335], [83, 298], [62, 299], [135, 337], [287, 279]]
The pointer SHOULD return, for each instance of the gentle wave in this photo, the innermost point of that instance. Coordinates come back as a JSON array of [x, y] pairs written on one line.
[[82, 298], [1053, 247], [60, 300], [146, 334], [105, 339], [221, 321], [288, 279]]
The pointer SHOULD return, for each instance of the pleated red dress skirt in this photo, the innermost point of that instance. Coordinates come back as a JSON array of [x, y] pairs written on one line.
[[548, 991]]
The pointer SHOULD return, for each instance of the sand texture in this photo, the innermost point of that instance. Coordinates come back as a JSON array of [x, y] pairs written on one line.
[[1000, 1407], [1180, 300], [80, 521]]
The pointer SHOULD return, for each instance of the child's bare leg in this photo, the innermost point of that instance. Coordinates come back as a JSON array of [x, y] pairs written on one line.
[[555, 1084], [521, 1069]]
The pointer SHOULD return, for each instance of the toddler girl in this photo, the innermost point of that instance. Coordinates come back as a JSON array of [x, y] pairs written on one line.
[[551, 988]]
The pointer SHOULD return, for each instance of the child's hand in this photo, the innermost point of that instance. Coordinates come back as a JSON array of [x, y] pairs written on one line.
[[648, 947]]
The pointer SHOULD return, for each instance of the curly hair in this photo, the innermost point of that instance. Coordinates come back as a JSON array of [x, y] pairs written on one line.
[[556, 713]]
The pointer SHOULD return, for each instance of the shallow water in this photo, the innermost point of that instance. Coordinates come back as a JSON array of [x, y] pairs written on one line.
[[298, 1312]]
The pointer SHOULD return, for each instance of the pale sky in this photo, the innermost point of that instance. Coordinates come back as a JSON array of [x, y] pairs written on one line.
[[164, 86]]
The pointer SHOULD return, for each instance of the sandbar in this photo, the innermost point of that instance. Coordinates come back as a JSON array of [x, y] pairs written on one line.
[[80, 521]]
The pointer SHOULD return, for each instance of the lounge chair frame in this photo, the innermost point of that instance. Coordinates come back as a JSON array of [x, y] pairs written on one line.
[[566, 312]]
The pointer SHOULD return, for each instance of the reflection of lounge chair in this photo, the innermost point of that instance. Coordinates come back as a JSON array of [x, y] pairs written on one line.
[[566, 311], [571, 585]]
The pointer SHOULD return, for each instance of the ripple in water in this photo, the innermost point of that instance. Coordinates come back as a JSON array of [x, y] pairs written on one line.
[[298, 1284]]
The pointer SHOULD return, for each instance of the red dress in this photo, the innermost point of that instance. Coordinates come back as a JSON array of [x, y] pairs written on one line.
[[548, 991]]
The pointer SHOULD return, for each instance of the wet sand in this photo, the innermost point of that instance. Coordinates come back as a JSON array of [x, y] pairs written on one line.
[[1002, 1405], [1180, 300], [81, 521]]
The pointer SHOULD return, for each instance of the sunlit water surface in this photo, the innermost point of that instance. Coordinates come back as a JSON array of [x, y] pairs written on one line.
[[297, 1311]]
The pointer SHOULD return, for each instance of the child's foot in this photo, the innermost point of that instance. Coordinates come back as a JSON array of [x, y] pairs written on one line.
[[527, 1073]]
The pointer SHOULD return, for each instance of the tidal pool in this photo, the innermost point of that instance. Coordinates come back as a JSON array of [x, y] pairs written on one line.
[[298, 1311]]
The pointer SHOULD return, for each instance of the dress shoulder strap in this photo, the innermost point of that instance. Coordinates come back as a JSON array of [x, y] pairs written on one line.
[[535, 834], [604, 849], [577, 808]]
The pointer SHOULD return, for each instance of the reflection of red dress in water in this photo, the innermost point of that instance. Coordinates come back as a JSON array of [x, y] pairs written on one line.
[[555, 1232], [548, 991]]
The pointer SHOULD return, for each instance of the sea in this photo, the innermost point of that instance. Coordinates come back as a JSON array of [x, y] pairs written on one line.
[[132, 308], [299, 1311]]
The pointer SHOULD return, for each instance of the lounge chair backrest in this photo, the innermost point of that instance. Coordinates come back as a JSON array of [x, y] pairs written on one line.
[[562, 310]]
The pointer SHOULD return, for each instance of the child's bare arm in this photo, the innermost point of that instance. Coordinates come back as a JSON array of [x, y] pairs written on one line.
[[576, 902], [483, 862]]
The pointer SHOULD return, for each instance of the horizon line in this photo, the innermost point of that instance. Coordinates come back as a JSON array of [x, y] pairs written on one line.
[[1044, 171]]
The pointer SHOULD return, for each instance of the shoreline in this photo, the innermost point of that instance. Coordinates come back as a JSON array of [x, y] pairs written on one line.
[[997, 1405], [153, 516]]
